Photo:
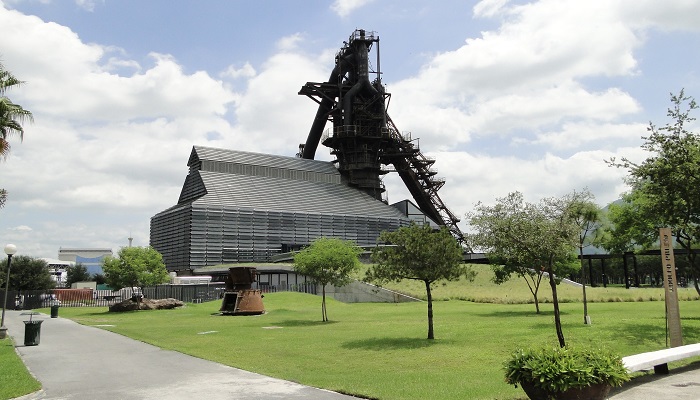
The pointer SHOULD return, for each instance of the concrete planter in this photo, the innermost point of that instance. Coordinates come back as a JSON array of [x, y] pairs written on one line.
[[597, 391]]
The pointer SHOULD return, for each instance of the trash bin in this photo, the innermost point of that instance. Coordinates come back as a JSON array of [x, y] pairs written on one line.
[[32, 331], [54, 311]]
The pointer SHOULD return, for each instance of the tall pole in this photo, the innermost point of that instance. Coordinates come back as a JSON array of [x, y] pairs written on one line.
[[10, 249]]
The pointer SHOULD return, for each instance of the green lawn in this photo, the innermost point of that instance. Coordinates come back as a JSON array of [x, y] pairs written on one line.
[[15, 380], [515, 291], [380, 351]]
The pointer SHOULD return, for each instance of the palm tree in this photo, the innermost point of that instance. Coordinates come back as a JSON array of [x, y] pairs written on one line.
[[12, 115]]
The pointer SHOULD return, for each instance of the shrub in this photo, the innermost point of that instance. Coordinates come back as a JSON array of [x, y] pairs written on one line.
[[555, 369]]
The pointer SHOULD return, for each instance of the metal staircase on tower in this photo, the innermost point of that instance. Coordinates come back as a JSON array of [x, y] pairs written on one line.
[[363, 138]]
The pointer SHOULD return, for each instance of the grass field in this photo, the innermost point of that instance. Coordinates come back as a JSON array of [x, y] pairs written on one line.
[[515, 291], [380, 351], [15, 380]]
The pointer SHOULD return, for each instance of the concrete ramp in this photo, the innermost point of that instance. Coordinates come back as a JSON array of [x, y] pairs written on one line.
[[362, 292]]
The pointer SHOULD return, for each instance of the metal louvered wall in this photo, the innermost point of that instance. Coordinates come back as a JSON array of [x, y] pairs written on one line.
[[170, 235], [240, 207], [238, 236]]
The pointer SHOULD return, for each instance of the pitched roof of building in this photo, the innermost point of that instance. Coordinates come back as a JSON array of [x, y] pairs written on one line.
[[246, 180]]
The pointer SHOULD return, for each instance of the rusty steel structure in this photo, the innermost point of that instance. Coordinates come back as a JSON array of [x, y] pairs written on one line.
[[239, 297], [365, 141]]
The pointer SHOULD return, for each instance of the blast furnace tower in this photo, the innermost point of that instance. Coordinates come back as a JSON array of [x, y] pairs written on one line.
[[363, 138]]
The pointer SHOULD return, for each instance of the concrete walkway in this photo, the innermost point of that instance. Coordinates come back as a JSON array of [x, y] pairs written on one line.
[[76, 362], [680, 383]]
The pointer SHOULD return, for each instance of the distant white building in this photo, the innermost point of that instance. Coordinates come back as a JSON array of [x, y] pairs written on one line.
[[90, 258], [58, 270]]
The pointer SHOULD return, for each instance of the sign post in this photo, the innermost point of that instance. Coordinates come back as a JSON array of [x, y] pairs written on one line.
[[673, 316]]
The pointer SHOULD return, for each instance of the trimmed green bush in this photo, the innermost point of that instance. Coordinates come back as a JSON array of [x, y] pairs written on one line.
[[555, 370]]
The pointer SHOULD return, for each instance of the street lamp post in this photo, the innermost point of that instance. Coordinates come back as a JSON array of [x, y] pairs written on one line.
[[10, 249]]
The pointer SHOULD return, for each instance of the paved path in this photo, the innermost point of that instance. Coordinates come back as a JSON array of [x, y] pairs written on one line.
[[680, 384], [76, 362]]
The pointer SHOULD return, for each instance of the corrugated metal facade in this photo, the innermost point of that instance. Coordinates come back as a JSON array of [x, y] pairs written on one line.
[[246, 207]]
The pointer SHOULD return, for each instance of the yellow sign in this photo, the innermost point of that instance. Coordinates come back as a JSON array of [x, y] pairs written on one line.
[[673, 315]]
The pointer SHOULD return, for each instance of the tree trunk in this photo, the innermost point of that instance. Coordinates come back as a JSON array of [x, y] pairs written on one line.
[[583, 282], [555, 302], [431, 334], [323, 304], [537, 303], [693, 268]]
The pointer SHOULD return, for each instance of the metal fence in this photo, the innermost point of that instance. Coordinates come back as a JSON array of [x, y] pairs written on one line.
[[32, 299]]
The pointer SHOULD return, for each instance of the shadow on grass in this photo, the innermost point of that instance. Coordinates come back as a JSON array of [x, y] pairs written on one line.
[[382, 344], [101, 313], [302, 323], [647, 334], [521, 313]]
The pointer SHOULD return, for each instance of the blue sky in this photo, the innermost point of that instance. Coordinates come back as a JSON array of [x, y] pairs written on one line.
[[505, 95]]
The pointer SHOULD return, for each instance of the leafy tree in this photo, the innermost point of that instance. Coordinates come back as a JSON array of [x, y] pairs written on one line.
[[27, 273], [420, 253], [588, 218], [494, 225], [76, 273], [328, 261], [12, 116], [628, 226], [135, 267], [524, 235], [98, 278], [666, 185]]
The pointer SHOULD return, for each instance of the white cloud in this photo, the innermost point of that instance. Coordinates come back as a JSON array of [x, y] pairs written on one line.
[[104, 148], [489, 8], [246, 71], [534, 105], [87, 5], [531, 74], [21, 228], [483, 178], [345, 7], [588, 134], [272, 116]]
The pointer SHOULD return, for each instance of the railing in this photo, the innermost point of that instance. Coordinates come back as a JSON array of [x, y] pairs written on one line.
[[309, 288], [32, 299]]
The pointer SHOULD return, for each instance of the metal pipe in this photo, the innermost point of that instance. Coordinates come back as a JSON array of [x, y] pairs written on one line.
[[321, 117]]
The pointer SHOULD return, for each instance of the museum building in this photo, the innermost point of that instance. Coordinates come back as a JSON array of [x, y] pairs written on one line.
[[242, 207]]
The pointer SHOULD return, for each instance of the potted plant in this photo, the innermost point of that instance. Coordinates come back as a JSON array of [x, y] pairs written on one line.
[[566, 373]]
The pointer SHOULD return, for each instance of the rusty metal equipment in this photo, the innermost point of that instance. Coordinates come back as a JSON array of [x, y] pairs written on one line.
[[239, 297]]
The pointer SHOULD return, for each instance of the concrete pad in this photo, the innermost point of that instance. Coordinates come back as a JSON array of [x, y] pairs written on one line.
[[76, 362], [680, 384]]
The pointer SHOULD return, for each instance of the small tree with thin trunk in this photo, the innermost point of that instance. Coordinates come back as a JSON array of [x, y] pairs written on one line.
[[420, 253], [539, 236], [328, 261], [588, 218], [494, 226]]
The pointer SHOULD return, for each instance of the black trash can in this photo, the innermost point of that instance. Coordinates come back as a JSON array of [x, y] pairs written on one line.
[[32, 331], [54, 311]]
